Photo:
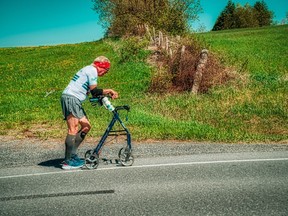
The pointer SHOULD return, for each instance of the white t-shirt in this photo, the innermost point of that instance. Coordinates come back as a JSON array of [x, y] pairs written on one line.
[[79, 85]]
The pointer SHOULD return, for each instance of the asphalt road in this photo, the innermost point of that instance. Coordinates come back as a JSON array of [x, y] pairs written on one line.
[[242, 182]]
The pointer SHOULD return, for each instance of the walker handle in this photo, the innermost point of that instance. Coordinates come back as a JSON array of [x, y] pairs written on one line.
[[125, 107]]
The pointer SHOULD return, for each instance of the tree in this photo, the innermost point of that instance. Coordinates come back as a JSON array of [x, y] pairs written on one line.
[[122, 16], [245, 17], [263, 15], [226, 19]]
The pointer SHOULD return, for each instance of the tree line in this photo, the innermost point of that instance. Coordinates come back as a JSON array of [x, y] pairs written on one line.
[[121, 17], [238, 16]]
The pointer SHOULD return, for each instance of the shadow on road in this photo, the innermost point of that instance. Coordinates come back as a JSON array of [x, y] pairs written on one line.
[[52, 163]]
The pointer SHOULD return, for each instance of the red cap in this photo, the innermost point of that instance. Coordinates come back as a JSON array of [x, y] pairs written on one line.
[[105, 65]]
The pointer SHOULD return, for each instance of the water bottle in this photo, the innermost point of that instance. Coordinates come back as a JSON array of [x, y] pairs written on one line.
[[107, 104]]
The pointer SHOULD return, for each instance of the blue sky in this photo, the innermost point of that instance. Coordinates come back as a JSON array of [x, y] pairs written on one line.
[[49, 22]]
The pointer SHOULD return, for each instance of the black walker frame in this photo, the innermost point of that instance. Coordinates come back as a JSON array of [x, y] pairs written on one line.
[[125, 156]]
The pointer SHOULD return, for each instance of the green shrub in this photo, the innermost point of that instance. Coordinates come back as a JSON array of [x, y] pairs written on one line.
[[133, 50]]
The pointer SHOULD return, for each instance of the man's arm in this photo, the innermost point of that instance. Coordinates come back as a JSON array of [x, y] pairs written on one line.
[[97, 91]]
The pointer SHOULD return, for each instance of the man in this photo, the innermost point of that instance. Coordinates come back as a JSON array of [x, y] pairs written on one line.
[[83, 83]]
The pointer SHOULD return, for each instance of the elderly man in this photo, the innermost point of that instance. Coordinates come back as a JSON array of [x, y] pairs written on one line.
[[82, 83]]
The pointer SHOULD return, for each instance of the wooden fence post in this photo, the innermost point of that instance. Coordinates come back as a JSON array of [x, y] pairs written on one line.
[[182, 51], [166, 43], [170, 53], [160, 39], [199, 71]]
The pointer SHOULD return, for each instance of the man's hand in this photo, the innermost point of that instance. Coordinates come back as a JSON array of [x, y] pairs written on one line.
[[111, 92]]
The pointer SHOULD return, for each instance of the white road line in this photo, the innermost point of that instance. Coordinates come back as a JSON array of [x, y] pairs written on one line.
[[148, 166]]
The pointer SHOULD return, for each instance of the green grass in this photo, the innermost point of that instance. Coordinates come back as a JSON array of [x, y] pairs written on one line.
[[260, 55], [252, 108], [259, 50]]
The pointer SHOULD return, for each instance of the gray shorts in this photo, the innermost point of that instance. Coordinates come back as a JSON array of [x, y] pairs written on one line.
[[72, 105]]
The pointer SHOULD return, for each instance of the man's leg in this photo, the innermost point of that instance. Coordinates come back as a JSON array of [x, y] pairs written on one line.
[[80, 136], [72, 123], [69, 146]]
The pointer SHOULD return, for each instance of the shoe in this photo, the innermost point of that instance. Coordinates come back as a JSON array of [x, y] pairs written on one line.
[[72, 164], [76, 158]]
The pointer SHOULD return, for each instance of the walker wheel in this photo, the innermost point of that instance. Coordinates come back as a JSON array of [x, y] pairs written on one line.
[[91, 160], [125, 157]]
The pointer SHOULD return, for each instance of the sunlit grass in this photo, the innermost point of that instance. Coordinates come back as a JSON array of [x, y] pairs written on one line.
[[252, 108]]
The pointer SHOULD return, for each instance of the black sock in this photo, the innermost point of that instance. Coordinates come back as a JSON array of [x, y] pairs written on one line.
[[80, 136], [69, 146]]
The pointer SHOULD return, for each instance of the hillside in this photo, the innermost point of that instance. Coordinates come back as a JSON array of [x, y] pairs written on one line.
[[253, 107]]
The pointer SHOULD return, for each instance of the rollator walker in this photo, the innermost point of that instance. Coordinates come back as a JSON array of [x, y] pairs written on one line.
[[125, 157]]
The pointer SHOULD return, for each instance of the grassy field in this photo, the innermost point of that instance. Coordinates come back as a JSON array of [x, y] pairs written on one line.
[[252, 108]]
